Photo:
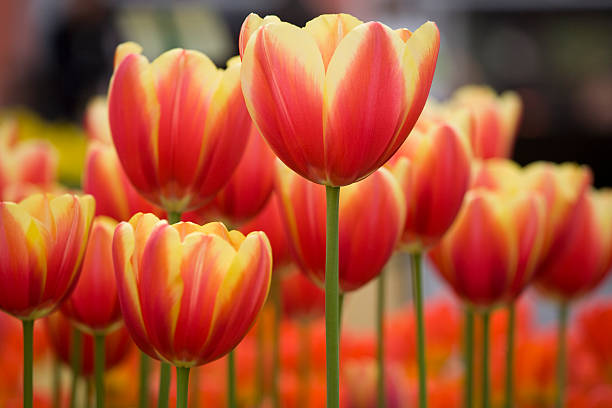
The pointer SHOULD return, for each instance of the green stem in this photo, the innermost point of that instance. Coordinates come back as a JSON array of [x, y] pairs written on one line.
[[164, 386], [510, 356], [486, 381], [332, 288], [88, 392], [143, 393], [76, 355], [99, 361], [340, 313], [173, 217], [380, 325], [182, 387], [304, 364], [417, 293], [28, 361], [469, 358], [562, 355], [260, 362], [57, 382], [231, 380], [278, 310]]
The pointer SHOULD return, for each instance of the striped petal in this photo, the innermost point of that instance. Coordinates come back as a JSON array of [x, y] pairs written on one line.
[[365, 102], [249, 26], [282, 81], [134, 112], [328, 30]]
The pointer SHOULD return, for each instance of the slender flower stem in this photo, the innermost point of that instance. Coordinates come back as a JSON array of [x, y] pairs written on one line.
[[340, 314], [260, 362], [57, 382], [88, 392], [182, 387], [304, 364], [417, 293], [278, 310], [173, 217], [380, 351], [231, 380], [99, 361], [561, 355], [76, 354], [332, 289], [143, 393], [468, 355], [28, 345], [164, 386], [510, 356], [486, 382]]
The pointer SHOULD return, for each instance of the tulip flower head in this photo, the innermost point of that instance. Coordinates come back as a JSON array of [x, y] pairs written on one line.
[[179, 124], [95, 121], [372, 215], [490, 252], [93, 305], [42, 241], [336, 98], [189, 293], [302, 299], [433, 168]]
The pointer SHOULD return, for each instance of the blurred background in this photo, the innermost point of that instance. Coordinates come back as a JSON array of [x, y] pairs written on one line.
[[56, 55]]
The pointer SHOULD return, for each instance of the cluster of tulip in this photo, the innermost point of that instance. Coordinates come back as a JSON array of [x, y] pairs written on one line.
[[181, 143]]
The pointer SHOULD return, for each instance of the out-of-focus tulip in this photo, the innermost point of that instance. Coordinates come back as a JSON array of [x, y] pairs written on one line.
[[269, 221], [189, 293], [302, 299], [42, 241], [433, 168], [24, 165], [359, 380], [105, 179], [583, 255], [372, 215], [490, 253], [595, 328], [95, 121], [179, 124], [336, 98], [493, 119], [59, 331], [251, 184], [93, 305]]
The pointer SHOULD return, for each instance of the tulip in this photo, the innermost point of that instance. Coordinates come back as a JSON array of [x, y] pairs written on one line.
[[179, 124], [490, 252], [302, 299], [337, 82], [372, 215], [250, 186], [95, 121], [24, 165], [493, 119], [189, 293], [43, 239]]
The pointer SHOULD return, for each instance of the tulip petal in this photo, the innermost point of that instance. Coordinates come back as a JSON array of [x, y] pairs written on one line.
[[282, 81], [328, 30], [249, 26]]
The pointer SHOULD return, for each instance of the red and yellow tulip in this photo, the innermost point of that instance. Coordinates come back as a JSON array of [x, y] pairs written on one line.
[[372, 215], [302, 299], [491, 251], [42, 241], [189, 293], [336, 98], [179, 124], [93, 305], [433, 168], [583, 255]]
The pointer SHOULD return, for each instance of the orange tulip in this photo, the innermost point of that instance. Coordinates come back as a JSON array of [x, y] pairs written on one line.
[[93, 305], [493, 119], [372, 214], [336, 98], [24, 165], [59, 331], [487, 255], [95, 121], [179, 124], [251, 184], [189, 293], [583, 255], [42, 241], [302, 299], [433, 168], [269, 221]]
